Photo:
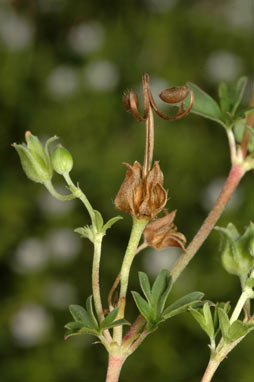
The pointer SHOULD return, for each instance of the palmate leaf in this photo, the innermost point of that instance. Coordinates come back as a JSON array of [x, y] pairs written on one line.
[[122, 321], [143, 306], [109, 318], [183, 304], [77, 328], [160, 291], [98, 220], [204, 105], [145, 285], [89, 308], [234, 331], [231, 94], [85, 232], [205, 319], [80, 315], [110, 222]]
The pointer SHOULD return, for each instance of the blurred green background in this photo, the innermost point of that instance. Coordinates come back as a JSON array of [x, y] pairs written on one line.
[[64, 66]]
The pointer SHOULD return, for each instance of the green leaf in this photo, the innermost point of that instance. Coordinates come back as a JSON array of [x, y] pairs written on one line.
[[160, 291], [226, 307], [89, 308], [231, 95], [85, 232], [237, 330], [199, 318], [74, 325], [122, 321], [98, 220], [109, 319], [239, 129], [250, 282], [208, 320], [80, 315], [182, 304], [224, 324], [142, 306], [111, 222], [145, 285], [204, 105]]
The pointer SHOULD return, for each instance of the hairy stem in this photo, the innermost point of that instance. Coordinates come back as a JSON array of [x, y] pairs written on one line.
[[136, 233], [76, 191], [115, 364], [210, 370], [235, 175], [96, 283], [239, 306], [95, 277], [56, 194]]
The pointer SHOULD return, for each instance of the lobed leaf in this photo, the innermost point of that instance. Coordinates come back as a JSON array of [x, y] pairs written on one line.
[[98, 220], [204, 105], [110, 222], [142, 306], [182, 304], [224, 324], [109, 319], [160, 291], [80, 315], [89, 308], [122, 321], [145, 285]]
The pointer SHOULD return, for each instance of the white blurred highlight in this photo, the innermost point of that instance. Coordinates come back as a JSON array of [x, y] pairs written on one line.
[[212, 191], [223, 66], [30, 325], [86, 37], [62, 82], [154, 261], [30, 256], [15, 31], [63, 244], [101, 75], [60, 294]]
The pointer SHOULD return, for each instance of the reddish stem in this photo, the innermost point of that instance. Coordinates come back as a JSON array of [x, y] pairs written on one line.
[[115, 364], [235, 175]]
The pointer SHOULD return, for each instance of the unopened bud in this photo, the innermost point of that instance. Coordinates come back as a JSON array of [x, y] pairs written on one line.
[[174, 95], [35, 158], [237, 250], [62, 160]]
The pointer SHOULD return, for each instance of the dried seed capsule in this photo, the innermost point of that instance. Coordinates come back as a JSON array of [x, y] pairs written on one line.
[[174, 95], [128, 95]]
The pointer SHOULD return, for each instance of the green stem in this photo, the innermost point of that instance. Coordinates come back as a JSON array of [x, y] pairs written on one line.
[[95, 277], [235, 175], [136, 233], [76, 191], [96, 283], [56, 195], [239, 306], [223, 349]]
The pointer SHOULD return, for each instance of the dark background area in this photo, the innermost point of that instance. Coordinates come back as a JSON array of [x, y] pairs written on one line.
[[64, 66]]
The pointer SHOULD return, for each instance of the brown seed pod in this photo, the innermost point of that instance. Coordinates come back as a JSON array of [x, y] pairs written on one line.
[[175, 94], [129, 97]]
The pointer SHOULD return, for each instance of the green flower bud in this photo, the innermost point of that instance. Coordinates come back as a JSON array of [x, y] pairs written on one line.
[[237, 250], [35, 158], [62, 160]]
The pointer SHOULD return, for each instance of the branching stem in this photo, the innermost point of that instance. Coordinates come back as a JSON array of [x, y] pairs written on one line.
[[235, 175]]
